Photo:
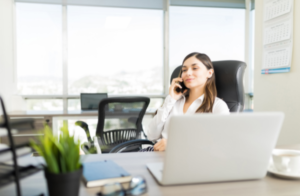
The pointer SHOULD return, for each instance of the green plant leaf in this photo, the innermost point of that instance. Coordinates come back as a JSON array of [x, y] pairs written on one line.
[[61, 153]]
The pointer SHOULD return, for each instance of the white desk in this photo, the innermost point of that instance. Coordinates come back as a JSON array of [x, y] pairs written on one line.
[[135, 164]]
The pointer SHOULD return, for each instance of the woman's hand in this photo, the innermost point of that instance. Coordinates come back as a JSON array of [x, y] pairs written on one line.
[[172, 90], [161, 145]]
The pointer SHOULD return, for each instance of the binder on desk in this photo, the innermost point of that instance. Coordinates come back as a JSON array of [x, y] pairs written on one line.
[[103, 172]]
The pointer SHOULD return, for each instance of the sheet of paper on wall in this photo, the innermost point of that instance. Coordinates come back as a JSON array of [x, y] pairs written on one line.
[[277, 36]]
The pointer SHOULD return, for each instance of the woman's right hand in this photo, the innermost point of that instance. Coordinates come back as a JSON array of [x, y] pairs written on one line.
[[172, 90]]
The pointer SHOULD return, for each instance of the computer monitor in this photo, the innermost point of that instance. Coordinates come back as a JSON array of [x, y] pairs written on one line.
[[90, 101]]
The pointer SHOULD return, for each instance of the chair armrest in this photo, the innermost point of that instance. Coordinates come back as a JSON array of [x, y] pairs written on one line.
[[85, 127], [88, 148], [123, 146], [91, 148]]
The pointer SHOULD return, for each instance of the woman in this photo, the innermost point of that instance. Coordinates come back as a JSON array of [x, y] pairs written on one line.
[[198, 95]]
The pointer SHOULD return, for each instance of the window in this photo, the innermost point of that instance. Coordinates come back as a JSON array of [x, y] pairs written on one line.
[[217, 32], [44, 104], [252, 29], [39, 49], [116, 46], [115, 50]]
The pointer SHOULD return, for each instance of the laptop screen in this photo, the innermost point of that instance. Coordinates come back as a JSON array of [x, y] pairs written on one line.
[[90, 101]]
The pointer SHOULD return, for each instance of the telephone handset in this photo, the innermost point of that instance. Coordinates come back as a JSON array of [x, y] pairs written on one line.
[[180, 90]]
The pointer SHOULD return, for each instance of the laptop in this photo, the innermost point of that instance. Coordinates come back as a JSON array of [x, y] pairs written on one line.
[[206, 148], [90, 101]]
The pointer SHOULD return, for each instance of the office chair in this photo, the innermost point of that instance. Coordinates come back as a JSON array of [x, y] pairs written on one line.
[[119, 120], [230, 88]]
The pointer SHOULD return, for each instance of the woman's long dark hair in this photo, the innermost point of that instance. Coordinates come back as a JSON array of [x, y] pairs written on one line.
[[210, 90]]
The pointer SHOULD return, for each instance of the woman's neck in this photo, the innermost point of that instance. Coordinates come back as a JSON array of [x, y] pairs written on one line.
[[195, 93]]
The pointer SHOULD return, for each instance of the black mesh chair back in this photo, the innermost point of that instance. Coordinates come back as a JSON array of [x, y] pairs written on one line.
[[120, 120], [229, 82]]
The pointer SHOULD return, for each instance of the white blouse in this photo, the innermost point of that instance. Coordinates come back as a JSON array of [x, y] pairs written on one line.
[[158, 127]]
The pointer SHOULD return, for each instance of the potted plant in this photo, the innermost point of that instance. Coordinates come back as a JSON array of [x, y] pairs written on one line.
[[63, 169]]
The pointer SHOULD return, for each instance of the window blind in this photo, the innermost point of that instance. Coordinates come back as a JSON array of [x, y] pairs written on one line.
[[146, 4], [252, 5], [240, 4]]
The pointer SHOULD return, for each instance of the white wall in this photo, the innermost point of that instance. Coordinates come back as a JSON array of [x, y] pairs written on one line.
[[279, 92], [7, 79]]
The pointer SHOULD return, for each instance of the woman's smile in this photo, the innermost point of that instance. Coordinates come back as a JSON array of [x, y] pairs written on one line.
[[189, 79]]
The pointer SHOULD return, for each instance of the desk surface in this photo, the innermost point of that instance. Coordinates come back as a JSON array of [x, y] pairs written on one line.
[[135, 163], [29, 114]]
